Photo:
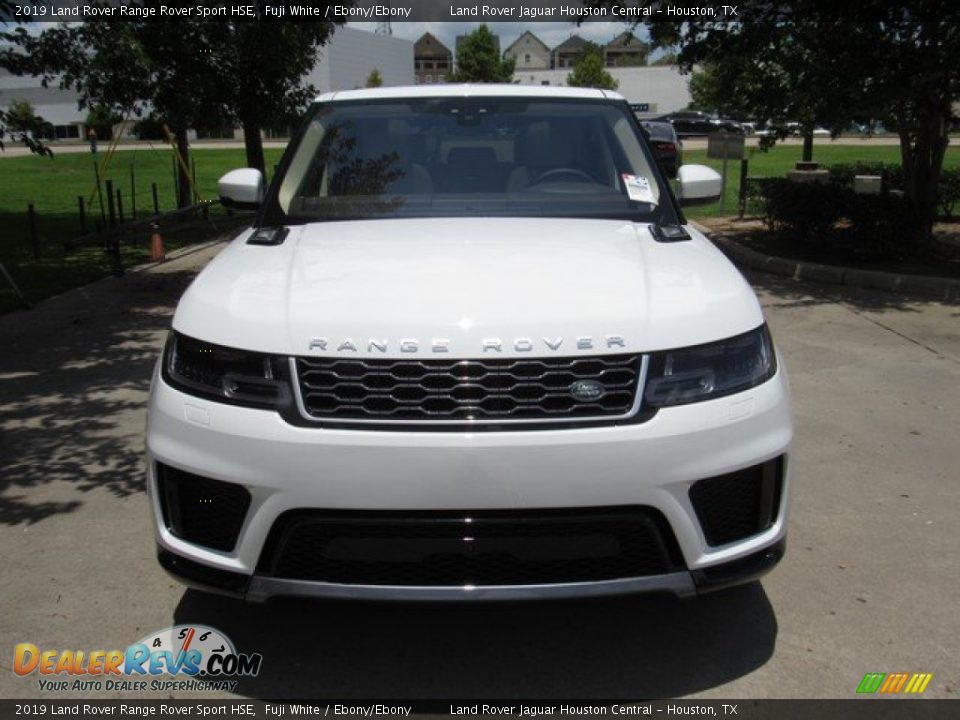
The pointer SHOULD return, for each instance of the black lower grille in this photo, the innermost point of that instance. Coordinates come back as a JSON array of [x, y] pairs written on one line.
[[201, 510], [481, 549], [740, 504], [458, 390]]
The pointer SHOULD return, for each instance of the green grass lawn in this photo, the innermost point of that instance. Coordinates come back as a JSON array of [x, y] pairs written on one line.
[[53, 185], [777, 161]]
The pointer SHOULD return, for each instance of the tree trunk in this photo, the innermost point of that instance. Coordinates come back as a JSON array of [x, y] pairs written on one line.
[[923, 162], [808, 145], [253, 143], [185, 195]]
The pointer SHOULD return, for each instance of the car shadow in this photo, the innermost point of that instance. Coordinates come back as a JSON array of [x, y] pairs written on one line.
[[630, 647]]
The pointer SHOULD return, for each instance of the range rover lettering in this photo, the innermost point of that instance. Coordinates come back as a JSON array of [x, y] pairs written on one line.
[[470, 348]]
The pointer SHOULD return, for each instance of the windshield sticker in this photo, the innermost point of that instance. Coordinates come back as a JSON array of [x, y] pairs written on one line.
[[638, 188]]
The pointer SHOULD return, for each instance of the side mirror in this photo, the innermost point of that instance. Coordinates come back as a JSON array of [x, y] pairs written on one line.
[[698, 185], [242, 189]]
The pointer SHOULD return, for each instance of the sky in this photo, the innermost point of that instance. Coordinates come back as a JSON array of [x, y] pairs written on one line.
[[552, 33]]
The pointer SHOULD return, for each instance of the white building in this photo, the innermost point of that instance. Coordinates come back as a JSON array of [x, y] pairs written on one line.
[[662, 88], [347, 60], [56, 106], [345, 63]]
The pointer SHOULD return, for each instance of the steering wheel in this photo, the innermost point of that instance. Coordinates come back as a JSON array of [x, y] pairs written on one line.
[[569, 172]]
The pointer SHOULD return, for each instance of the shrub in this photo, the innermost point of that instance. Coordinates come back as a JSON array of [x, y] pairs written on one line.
[[881, 226], [948, 189], [829, 214], [948, 192], [804, 210], [868, 226], [842, 174]]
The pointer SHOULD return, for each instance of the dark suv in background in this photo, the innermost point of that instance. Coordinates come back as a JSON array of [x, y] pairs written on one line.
[[666, 144], [694, 122]]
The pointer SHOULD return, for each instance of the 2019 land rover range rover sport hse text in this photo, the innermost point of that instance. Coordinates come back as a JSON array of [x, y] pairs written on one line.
[[470, 348]]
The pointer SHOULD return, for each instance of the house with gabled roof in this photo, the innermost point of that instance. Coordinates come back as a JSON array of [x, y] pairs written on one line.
[[528, 52]]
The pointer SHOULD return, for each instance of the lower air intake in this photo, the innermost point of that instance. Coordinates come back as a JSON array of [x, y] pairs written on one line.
[[481, 549], [737, 505], [201, 510]]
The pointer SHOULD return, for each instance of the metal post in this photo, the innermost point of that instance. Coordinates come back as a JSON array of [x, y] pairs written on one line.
[[16, 289], [156, 202], [83, 215], [133, 194], [723, 187], [176, 181], [111, 210], [34, 240], [96, 172], [193, 176], [120, 206], [743, 187], [117, 260]]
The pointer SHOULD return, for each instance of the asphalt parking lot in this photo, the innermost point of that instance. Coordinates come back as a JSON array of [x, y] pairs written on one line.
[[870, 581]]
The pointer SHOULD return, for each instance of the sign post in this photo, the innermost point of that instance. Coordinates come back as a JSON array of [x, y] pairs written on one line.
[[723, 145]]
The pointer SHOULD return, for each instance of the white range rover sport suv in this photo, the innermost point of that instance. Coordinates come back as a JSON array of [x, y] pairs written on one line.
[[469, 349]]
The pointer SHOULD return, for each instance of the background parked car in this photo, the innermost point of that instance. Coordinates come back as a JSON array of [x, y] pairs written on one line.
[[694, 122], [666, 144]]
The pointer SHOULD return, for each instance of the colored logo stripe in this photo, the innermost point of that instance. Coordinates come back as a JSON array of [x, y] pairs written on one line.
[[893, 683], [871, 682], [918, 683]]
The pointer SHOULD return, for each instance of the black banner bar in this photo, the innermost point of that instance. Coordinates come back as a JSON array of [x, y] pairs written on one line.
[[873, 708], [487, 11]]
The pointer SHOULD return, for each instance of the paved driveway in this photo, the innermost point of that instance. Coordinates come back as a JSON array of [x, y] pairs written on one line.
[[870, 581]]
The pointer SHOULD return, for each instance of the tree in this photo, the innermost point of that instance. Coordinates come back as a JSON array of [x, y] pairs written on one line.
[[897, 64], [250, 72], [589, 69], [7, 129], [374, 79], [479, 61], [130, 68], [263, 67], [102, 119], [21, 118]]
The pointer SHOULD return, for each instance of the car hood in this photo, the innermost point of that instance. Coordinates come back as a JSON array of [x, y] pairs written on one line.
[[467, 287]]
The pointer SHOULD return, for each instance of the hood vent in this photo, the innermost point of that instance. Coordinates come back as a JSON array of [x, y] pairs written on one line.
[[669, 233], [268, 236]]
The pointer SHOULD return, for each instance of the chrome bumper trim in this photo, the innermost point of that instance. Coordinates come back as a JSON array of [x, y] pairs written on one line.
[[679, 583]]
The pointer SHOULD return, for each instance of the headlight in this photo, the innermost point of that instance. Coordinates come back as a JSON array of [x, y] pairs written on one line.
[[224, 374], [704, 372]]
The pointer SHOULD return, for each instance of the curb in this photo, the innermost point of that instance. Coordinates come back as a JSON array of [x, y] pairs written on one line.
[[175, 255], [926, 285]]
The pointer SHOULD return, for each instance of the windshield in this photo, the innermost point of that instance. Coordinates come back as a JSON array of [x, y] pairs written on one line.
[[490, 156]]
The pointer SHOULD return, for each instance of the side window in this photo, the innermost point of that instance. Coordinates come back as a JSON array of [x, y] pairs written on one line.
[[634, 154], [307, 164]]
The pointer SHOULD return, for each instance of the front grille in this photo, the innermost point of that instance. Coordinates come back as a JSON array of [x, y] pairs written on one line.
[[739, 504], [202, 510], [466, 390], [478, 548]]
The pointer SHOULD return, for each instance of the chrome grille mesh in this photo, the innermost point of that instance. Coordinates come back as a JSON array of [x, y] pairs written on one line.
[[465, 390]]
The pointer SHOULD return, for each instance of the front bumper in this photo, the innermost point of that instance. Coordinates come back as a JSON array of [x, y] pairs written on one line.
[[288, 468], [682, 584]]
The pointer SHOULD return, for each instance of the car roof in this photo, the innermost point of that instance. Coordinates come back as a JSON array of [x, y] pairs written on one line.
[[469, 90], [659, 128]]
